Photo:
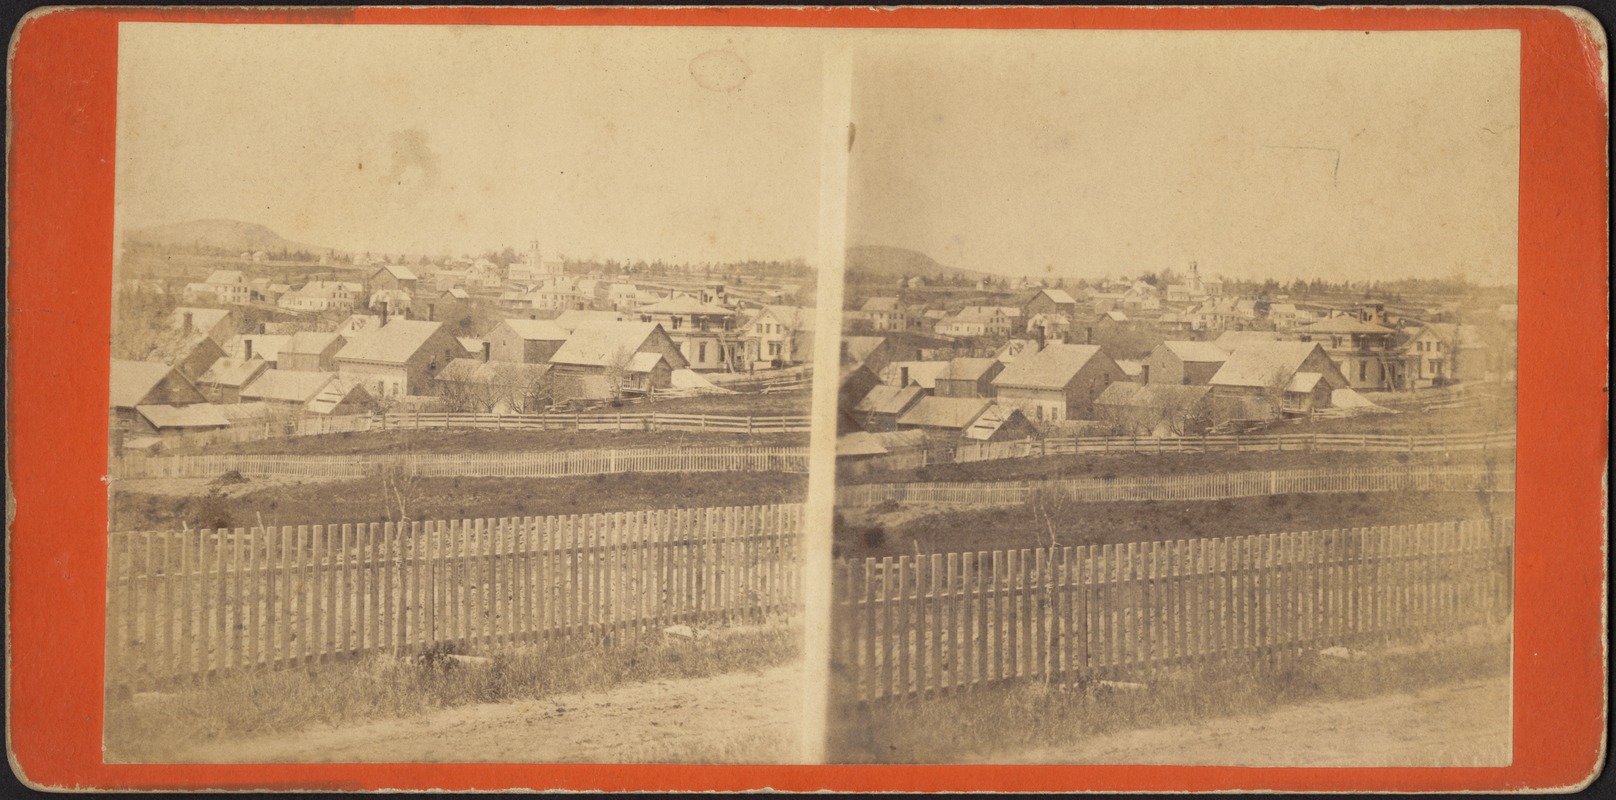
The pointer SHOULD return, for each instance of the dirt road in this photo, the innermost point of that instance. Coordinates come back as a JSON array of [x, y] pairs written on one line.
[[734, 719], [1466, 724]]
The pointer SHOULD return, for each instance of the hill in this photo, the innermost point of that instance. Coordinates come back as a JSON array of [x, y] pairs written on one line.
[[224, 234], [882, 263]]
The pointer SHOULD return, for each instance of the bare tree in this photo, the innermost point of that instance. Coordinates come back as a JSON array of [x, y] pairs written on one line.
[[616, 373]]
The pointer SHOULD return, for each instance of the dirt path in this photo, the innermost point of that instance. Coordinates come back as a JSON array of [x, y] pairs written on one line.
[[734, 718], [1466, 724]]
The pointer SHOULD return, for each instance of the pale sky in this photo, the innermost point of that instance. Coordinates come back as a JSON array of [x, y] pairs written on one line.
[[600, 142], [1257, 154]]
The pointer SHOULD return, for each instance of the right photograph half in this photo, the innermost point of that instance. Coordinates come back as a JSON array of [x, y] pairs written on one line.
[[1177, 399]]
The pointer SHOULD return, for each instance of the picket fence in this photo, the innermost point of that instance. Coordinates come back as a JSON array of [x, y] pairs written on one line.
[[1208, 486], [651, 421], [507, 465], [923, 626], [1241, 443], [202, 602]]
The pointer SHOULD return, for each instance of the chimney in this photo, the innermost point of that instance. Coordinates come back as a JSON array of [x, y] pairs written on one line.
[[384, 313], [431, 312], [185, 324], [903, 376], [1088, 335], [247, 343], [488, 349], [1144, 373]]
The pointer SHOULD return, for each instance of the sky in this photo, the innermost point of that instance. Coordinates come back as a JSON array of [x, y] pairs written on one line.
[[1286, 154], [691, 144]]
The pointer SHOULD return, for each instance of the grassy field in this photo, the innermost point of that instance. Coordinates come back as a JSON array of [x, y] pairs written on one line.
[[1120, 465], [1484, 418], [467, 440], [896, 530], [997, 724], [255, 703], [741, 404], [148, 505]]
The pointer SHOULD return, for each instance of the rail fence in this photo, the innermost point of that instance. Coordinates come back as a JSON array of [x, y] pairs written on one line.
[[1208, 486], [649, 421], [1222, 443], [923, 626], [507, 465], [203, 602]]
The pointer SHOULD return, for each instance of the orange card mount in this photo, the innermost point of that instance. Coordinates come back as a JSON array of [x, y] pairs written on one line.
[[63, 94]]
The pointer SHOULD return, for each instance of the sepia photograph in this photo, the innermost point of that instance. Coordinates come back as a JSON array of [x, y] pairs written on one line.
[[1177, 399], [460, 393]]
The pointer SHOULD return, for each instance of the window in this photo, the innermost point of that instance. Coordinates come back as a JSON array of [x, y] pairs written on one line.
[[701, 353], [1363, 370], [676, 323]]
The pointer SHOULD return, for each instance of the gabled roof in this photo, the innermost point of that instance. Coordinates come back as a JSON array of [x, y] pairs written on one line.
[[1233, 340], [1344, 324], [685, 304], [394, 343], [132, 381], [880, 304], [286, 386], [953, 413], [310, 343], [1197, 352], [202, 319], [859, 348], [1303, 382], [601, 344], [398, 271], [1057, 295], [968, 369], [572, 318], [196, 415], [884, 399], [922, 373], [267, 346], [1130, 367], [333, 395], [1050, 368], [537, 330], [458, 293], [238, 413], [994, 418], [233, 371], [645, 362], [470, 344], [1116, 316], [1264, 364], [794, 317]]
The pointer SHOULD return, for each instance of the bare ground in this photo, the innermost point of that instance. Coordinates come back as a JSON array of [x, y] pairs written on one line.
[[735, 718], [1465, 724]]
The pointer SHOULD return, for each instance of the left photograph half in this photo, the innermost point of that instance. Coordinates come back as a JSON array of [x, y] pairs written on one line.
[[460, 394]]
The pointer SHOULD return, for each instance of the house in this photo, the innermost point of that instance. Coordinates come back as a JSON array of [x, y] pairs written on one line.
[[622, 296], [1280, 377], [1283, 315], [1049, 302], [223, 381], [218, 324], [879, 409], [525, 341], [390, 302], [968, 377], [920, 373], [1056, 383], [854, 382], [1157, 409], [1429, 352], [310, 351], [393, 277], [357, 324], [605, 360], [472, 384], [1363, 351], [963, 417], [313, 392], [146, 383], [883, 313], [398, 358], [701, 330], [1049, 327], [973, 321], [447, 305], [323, 296], [1183, 363], [230, 286], [1133, 369], [778, 336]]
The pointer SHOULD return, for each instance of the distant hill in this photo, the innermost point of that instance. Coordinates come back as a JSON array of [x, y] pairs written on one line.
[[226, 234], [882, 263]]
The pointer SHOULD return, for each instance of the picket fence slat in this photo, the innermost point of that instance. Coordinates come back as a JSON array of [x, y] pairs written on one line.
[[911, 626], [187, 604]]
